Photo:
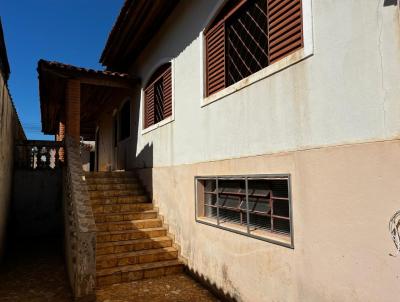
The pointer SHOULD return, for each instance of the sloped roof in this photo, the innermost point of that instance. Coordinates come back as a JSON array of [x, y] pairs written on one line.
[[67, 68], [136, 24], [53, 79]]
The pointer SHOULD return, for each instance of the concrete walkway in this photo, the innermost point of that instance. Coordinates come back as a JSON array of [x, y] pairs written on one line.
[[35, 272]]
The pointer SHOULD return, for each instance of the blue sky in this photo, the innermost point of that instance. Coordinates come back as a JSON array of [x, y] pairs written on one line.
[[69, 31]]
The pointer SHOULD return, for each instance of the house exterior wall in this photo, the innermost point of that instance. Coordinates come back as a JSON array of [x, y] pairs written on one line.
[[347, 92], [331, 121], [342, 196], [10, 130]]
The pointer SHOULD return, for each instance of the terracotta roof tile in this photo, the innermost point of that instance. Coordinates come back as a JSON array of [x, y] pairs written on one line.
[[67, 67]]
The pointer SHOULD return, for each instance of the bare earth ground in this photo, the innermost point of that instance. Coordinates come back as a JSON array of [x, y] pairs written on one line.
[[35, 272], [175, 288]]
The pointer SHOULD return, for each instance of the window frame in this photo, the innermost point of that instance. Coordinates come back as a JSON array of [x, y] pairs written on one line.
[[269, 237], [291, 59], [170, 118]]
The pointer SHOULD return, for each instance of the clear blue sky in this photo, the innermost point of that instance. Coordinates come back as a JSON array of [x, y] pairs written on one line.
[[69, 31]]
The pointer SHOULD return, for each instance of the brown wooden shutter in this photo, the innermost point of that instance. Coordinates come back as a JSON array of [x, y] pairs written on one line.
[[167, 83], [215, 59], [149, 106], [285, 28]]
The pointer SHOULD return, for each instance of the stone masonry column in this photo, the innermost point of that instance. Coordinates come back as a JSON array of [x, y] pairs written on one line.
[[73, 110], [61, 131], [59, 138]]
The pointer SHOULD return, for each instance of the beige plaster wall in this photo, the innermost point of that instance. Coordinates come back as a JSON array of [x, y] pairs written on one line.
[[10, 129], [342, 200]]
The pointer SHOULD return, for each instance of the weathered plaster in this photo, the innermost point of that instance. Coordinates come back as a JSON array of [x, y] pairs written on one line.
[[342, 200]]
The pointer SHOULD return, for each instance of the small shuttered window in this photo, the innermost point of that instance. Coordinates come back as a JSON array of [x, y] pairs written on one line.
[[158, 96], [249, 35]]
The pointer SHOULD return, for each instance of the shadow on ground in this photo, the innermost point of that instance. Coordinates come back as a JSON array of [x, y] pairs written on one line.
[[33, 271], [171, 288]]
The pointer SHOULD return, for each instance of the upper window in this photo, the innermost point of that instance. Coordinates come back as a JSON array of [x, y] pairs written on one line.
[[247, 36], [158, 96], [125, 121]]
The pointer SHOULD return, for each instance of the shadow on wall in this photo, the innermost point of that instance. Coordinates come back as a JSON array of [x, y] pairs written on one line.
[[144, 168], [142, 161], [36, 209], [211, 286]]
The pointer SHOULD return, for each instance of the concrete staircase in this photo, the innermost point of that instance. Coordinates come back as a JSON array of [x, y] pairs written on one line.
[[132, 241]]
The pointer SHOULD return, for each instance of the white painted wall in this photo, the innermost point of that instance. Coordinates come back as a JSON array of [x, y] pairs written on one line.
[[347, 92]]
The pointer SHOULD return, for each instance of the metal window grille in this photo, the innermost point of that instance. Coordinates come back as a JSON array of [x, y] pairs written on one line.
[[255, 203], [247, 41], [158, 101], [248, 37], [158, 96]]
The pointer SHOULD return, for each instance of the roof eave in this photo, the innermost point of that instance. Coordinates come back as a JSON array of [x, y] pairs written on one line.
[[137, 23]]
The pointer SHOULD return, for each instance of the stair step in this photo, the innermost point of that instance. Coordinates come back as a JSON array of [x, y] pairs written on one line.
[[129, 225], [114, 174], [119, 199], [131, 234], [132, 245], [130, 273], [120, 208], [112, 193], [125, 216], [110, 180], [136, 257], [110, 187]]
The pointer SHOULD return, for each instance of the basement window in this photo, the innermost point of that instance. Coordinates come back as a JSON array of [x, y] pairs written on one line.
[[256, 206]]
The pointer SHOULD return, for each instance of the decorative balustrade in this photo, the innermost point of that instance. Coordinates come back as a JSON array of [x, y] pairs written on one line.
[[80, 228], [38, 155]]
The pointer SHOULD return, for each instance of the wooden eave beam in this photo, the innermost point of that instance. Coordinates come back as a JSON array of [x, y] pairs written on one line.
[[113, 83], [93, 79], [135, 34]]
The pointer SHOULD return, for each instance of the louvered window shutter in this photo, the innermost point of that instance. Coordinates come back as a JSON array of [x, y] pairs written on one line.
[[249, 37], [167, 82], [149, 106], [285, 28], [215, 59]]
